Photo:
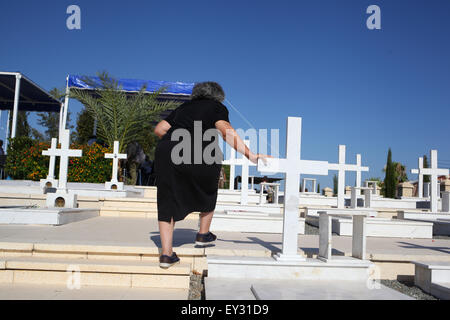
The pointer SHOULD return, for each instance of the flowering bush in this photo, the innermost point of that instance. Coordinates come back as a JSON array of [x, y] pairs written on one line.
[[26, 162]]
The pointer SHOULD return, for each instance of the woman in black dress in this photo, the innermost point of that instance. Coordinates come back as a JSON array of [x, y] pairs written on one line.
[[188, 162]]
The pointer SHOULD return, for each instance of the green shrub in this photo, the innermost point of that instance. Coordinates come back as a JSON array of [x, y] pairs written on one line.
[[26, 162]]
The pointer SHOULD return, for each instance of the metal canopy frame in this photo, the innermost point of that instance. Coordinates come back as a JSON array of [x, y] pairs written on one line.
[[24, 95]]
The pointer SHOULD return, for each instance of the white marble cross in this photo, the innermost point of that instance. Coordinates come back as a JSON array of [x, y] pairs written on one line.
[[420, 183], [52, 153], [231, 163], [342, 167], [115, 156], [359, 169], [292, 166], [64, 153], [245, 163], [433, 172]]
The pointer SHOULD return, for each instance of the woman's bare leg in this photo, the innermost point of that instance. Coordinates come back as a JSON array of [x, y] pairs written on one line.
[[205, 221], [166, 234]]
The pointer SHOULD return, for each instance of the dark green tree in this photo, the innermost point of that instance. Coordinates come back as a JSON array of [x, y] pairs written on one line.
[[85, 127], [426, 178], [23, 128], [50, 120], [318, 188], [389, 180]]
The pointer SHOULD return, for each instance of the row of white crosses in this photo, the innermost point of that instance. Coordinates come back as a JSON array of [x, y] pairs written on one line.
[[433, 172], [342, 167], [245, 164], [292, 167], [65, 152]]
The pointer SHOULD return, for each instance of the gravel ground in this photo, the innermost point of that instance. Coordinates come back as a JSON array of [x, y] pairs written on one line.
[[196, 288], [408, 288], [312, 230]]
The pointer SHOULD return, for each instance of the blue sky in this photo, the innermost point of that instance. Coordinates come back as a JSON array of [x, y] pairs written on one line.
[[367, 89]]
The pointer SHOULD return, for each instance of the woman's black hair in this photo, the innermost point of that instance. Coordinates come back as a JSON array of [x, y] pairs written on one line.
[[208, 90]]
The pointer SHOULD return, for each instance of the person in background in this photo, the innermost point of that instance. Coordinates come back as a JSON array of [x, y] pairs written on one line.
[[135, 157]]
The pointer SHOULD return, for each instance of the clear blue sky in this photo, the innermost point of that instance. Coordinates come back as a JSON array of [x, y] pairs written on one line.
[[368, 89]]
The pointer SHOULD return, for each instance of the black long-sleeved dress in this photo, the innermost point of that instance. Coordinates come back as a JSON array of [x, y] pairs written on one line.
[[189, 182]]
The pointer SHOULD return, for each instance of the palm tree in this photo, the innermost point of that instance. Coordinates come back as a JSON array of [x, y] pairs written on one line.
[[120, 116]]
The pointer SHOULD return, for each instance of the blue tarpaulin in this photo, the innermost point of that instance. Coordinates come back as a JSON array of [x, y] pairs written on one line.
[[134, 85]]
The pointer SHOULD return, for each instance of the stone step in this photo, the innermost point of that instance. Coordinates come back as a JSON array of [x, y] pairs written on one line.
[[441, 290], [45, 216], [196, 257], [337, 268], [62, 292], [251, 222], [133, 212], [433, 277], [142, 274]]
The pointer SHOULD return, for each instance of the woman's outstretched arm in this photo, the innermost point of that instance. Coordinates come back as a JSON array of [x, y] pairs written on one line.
[[232, 138]]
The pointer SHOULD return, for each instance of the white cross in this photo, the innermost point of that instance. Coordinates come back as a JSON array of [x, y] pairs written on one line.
[[359, 169], [292, 166], [245, 163], [420, 183], [342, 167], [64, 153], [433, 172], [231, 162], [115, 156], [52, 153]]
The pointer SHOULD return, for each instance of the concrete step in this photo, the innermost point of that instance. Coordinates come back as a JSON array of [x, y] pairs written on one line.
[[196, 257], [251, 222], [45, 216], [62, 292], [433, 277], [139, 274], [130, 202], [441, 290], [135, 212]]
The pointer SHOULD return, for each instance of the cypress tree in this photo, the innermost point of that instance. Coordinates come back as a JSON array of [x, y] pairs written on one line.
[[389, 180], [335, 184], [426, 165], [318, 188]]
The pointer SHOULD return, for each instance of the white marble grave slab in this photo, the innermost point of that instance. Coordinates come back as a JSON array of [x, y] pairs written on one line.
[[323, 290], [56, 216]]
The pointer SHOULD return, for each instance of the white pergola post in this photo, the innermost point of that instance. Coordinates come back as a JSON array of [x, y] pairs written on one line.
[[7, 132], [61, 112], [16, 105], [66, 107]]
